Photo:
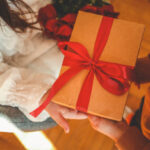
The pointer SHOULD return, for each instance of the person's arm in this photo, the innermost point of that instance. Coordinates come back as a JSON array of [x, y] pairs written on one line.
[[24, 88], [132, 139], [125, 137]]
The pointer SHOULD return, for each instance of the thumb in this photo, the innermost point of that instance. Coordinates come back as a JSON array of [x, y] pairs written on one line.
[[60, 120]]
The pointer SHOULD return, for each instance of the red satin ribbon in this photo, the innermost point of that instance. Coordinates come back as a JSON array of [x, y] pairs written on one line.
[[113, 77]]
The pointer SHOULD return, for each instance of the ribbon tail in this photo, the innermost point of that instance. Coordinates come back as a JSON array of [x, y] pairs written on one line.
[[85, 93], [60, 82]]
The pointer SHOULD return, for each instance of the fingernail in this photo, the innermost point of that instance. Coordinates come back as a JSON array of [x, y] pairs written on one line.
[[94, 118], [66, 130]]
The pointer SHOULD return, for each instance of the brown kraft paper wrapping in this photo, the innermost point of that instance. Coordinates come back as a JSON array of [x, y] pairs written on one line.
[[122, 47]]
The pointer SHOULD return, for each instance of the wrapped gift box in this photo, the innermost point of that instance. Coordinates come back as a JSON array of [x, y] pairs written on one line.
[[122, 47], [121, 43]]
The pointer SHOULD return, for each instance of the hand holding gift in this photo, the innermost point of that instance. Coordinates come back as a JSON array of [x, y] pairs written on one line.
[[60, 114]]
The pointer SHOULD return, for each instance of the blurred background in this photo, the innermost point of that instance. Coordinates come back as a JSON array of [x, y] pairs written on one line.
[[82, 136]]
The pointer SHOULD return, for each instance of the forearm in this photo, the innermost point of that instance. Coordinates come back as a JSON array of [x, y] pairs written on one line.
[[125, 137], [132, 139]]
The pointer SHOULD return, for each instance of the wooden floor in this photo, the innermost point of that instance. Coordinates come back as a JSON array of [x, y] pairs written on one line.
[[82, 136]]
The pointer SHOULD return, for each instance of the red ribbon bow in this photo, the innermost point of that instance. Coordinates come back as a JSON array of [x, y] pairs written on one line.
[[113, 77]]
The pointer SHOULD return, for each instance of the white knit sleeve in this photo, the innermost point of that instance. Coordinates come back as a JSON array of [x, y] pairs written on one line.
[[24, 89]]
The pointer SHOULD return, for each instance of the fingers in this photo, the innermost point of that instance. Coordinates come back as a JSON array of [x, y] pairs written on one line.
[[109, 128], [73, 114], [60, 113], [61, 121], [54, 112], [102, 125], [98, 122], [95, 122]]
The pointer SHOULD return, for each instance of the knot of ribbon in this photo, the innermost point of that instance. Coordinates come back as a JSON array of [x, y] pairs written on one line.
[[112, 76]]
